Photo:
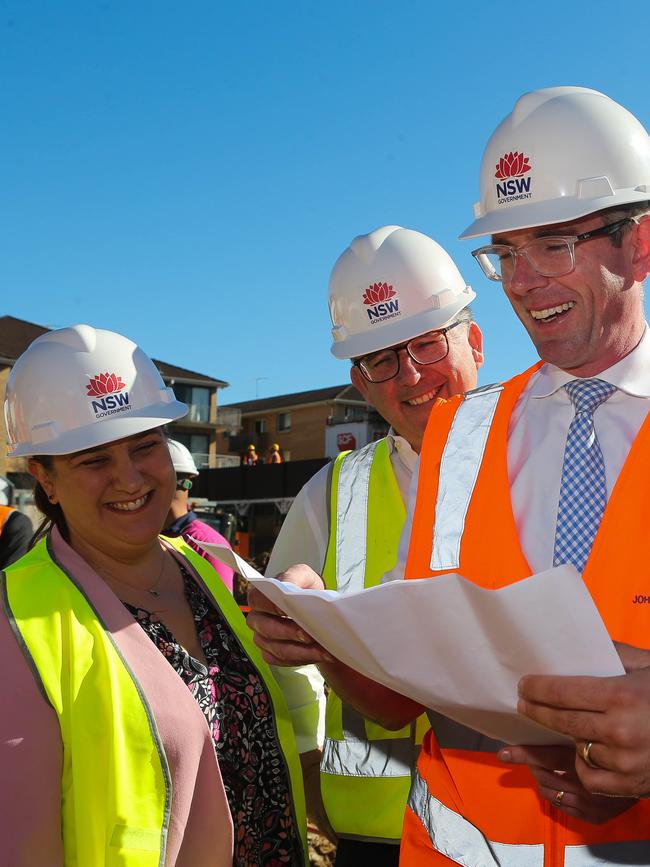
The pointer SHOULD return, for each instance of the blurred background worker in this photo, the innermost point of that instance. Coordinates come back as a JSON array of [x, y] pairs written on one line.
[[274, 455], [251, 458], [15, 535], [182, 521], [399, 308]]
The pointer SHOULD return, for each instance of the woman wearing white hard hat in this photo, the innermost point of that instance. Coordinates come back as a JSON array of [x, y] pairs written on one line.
[[130, 685]]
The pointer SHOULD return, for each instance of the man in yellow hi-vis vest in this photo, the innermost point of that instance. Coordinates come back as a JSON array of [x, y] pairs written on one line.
[[399, 311]]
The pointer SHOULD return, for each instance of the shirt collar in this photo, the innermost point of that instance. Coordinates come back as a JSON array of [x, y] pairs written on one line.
[[176, 528], [402, 447], [630, 375]]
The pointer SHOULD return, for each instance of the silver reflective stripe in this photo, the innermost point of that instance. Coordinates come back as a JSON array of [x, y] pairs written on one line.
[[352, 519], [352, 758], [456, 838], [356, 756], [633, 853], [459, 467]]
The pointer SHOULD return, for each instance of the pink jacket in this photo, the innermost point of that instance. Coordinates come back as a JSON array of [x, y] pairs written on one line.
[[31, 752]]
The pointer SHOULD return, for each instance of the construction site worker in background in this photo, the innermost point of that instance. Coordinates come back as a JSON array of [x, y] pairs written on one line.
[[274, 455], [399, 308], [182, 521], [130, 684], [251, 458], [15, 535], [552, 467]]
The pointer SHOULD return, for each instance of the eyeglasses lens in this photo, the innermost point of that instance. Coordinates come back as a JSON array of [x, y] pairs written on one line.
[[423, 350], [550, 257]]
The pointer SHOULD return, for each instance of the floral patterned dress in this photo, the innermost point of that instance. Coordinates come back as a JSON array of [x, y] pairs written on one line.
[[240, 716]]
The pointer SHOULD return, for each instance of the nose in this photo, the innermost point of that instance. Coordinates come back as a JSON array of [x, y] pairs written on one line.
[[524, 277], [409, 370], [127, 477]]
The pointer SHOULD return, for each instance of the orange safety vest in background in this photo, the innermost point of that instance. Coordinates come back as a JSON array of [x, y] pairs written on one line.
[[5, 512], [467, 807]]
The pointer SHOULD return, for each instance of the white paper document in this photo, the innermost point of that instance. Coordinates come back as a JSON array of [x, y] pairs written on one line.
[[451, 645]]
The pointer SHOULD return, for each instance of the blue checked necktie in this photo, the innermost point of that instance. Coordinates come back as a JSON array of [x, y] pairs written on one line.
[[583, 490]]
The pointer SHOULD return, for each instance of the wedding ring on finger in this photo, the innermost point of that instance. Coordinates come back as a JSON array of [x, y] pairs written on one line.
[[586, 750], [557, 800]]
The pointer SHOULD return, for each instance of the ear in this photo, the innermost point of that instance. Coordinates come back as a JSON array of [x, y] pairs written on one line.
[[475, 340], [641, 258], [43, 477], [359, 381]]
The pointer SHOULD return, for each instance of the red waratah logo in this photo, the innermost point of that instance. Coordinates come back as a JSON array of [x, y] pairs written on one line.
[[378, 292], [104, 383], [512, 165]]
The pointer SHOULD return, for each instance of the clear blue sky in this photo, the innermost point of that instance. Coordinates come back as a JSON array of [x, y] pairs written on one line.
[[187, 173]]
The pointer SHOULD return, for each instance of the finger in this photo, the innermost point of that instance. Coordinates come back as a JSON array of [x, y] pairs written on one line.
[[611, 784], [291, 653], [577, 724], [274, 628], [571, 693], [259, 602], [551, 758], [302, 576]]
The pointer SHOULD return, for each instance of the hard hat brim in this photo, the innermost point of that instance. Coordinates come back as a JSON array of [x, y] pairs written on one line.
[[103, 432], [548, 213], [398, 331]]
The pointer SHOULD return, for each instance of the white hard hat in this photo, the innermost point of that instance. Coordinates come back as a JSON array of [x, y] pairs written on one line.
[[182, 458], [390, 286], [563, 153], [81, 387]]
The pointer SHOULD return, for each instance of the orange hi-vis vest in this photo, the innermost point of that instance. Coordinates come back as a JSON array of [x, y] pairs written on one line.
[[5, 513], [467, 807]]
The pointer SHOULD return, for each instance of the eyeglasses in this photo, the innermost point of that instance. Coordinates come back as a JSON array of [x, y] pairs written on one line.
[[425, 349], [551, 256]]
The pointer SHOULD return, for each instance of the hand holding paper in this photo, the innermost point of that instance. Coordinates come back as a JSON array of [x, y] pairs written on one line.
[[453, 646]]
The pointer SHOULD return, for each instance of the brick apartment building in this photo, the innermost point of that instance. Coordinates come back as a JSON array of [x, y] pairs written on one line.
[[306, 425]]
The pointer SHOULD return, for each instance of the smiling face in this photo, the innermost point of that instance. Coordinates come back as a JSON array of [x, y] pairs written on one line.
[[585, 321], [406, 400], [114, 497]]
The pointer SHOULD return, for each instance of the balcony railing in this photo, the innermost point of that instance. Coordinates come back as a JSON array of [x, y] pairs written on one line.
[[215, 462]]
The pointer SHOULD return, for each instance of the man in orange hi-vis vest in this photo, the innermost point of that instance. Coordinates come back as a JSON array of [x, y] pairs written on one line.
[[553, 468]]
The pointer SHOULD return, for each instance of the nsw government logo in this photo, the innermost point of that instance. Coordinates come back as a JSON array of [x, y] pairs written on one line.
[[108, 388], [510, 170], [382, 302]]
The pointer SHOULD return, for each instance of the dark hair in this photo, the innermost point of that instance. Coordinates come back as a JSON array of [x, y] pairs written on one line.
[[619, 212], [53, 513]]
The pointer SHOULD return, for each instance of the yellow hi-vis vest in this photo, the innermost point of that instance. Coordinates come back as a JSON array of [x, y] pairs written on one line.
[[116, 787], [365, 770]]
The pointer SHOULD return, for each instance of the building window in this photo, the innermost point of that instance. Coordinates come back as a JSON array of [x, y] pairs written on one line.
[[198, 400], [284, 421], [260, 425], [198, 444]]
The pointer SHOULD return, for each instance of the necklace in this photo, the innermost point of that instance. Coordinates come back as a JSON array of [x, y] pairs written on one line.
[[152, 591]]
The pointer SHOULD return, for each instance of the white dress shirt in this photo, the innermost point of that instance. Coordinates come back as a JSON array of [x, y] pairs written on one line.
[[305, 532], [536, 438], [303, 539]]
